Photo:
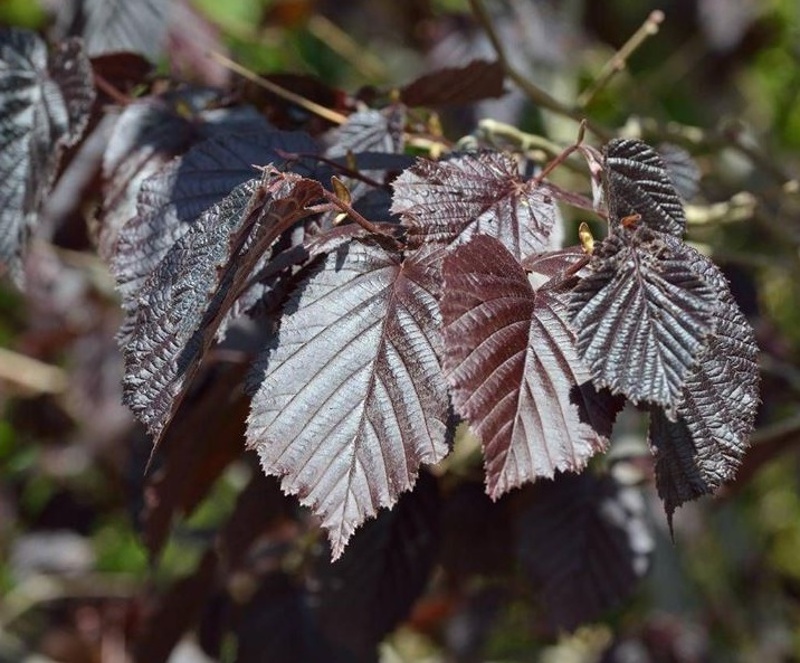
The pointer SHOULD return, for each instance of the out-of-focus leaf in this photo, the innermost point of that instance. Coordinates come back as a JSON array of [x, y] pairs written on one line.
[[585, 543], [456, 85], [368, 131], [172, 199], [46, 100], [175, 612], [702, 450], [186, 299], [637, 182], [365, 594], [682, 170], [514, 372], [200, 445], [451, 201], [353, 399], [116, 25], [642, 315]]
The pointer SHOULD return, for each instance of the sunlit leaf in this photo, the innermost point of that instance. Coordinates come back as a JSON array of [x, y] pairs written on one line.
[[637, 182], [449, 202], [702, 450], [514, 371], [46, 99], [353, 399], [186, 299], [642, 315]]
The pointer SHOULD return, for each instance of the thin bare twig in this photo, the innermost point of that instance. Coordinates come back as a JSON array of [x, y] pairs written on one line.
[[619, 60], [307, 104], [533, 91]]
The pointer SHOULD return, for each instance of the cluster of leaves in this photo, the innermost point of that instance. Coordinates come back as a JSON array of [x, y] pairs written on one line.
[[378, 300]]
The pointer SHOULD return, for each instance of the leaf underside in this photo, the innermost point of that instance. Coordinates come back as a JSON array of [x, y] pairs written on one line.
[[187, 297], [637, 182], [352, 399], [642, 315], [514, 372], [449, 202], [46, 99], [700, 451]]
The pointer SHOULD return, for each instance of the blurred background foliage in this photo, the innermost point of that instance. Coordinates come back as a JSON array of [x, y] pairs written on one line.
[[721, 78]]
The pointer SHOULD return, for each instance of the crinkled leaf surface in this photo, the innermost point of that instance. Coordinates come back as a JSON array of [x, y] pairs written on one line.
[[637, 182], [477, 80], [451, 201], [365, 593], [186, 299], [353, 399], [584, 541], [369, 131], [46, 99], [175, 196], [700, 451], [515, 376], [642, 315]]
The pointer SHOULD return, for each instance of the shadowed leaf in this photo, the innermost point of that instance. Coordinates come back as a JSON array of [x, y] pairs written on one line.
[[365, 594], [642, 315], [703, 449], [584, 541], [637, 182], [186, 299], [46, 99], [514, 372], [172, 199], [451, 201], [456, 85], [352, 399]]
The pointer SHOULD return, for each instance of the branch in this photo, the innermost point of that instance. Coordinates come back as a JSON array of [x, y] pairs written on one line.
[[619, 59]]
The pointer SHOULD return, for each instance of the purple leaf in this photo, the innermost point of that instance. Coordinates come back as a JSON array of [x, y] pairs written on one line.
[[353, 399], [46, 101], [187, 298], [703, 449], [172, 199], [449, 202], [682, 170], [456, 85], [637, 182], [514, 372], [584, 541], [365, 594], [642, 315]]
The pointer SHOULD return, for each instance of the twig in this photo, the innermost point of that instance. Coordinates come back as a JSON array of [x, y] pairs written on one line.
[[343, 44], [618, 61], [355, 216], [31, 374], [533, 91], [562, 157], [307, 104]]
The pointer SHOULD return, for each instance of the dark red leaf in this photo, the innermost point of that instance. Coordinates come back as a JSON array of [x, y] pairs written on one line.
[[456, 85], [514, 371]]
